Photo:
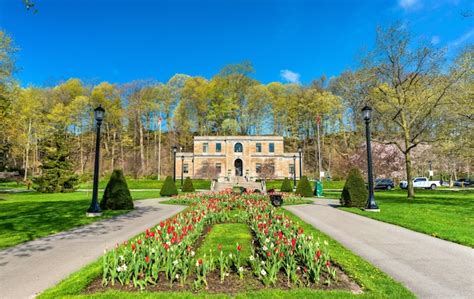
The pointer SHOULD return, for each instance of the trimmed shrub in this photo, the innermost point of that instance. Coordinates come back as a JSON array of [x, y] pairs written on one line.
[[286, 186], [304, 187], [355, 192], [168, 188], [116, 194], [188, 185]]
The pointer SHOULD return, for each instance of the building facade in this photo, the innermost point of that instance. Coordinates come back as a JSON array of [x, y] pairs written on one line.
[[228, 157]]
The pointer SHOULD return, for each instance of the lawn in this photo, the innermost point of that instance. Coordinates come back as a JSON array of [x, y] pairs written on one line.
[[276, 184], [31, 215], [447, 215], [149, 184], [375, 283]]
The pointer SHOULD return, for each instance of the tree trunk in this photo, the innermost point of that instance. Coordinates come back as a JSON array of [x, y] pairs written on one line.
[[27, 151], [142, 149], [112, 158]]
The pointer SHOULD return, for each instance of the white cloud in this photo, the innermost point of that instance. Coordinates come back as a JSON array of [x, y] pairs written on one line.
[[409, 4], [435, 40], [463, 38], [290, 76]]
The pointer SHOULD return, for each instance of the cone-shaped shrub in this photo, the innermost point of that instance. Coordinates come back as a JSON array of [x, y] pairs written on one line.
[[188, 185], [168, 188], [304, 187], [286, 186], [116, 194], [355, 192]]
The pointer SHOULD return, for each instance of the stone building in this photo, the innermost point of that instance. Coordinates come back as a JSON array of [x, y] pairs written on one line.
[[233, 157]]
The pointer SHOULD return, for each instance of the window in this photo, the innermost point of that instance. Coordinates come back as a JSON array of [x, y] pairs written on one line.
[[259, 147], [218, 147], [258, 168], [238, 148], [185, 168], [292, 168], [271, 147], [218, 167], [205, 147], [420, 180]]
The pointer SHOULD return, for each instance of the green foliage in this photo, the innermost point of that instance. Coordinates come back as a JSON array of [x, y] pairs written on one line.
[[116, 194], [57, 168], [169, 188], [286, 186], [188, 185], [304, 187], [355, 192]]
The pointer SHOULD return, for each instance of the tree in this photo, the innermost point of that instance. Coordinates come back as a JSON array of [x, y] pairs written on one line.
[[57, 169], [409, 91], [304, 187], [169, 187], [116, 194], [354, 193], [286, 186]]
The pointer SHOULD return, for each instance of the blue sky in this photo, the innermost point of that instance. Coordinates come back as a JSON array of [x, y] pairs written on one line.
[[296, 41]]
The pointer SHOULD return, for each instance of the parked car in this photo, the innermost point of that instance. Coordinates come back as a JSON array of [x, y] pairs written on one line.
[[464, 183], [421, 182], [387, 184]]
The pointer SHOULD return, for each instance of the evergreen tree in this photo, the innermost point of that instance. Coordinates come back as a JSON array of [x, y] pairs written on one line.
[[355, 192], [57, 169], [304, 187], [286, 186], [169, 187], [117, 195], [188, 185]]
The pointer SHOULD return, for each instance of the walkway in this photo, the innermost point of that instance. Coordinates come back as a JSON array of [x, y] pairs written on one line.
[[32, 267], [430, 267]]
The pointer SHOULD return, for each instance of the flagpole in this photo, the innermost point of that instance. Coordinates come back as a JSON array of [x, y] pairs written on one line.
[[318, 121], [159, 146]]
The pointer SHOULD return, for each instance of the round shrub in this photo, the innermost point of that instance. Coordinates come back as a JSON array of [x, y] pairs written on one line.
[[286, 186], [168, 188], [355, 192], [304, 187], [116, 195], [188, 185]]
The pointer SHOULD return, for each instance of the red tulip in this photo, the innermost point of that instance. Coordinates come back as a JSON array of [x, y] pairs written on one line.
[[219, 247], [147, 259], [328, 264], [133, 247], [239, 247]]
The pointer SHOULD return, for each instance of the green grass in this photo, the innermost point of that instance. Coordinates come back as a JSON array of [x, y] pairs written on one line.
[[12, 185], [28, 216], [375, 283], [228, 235], [149, 184], [276, 184], [447, 215]]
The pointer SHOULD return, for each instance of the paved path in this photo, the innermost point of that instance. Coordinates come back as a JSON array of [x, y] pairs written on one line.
[[32, 267], [430, 267]]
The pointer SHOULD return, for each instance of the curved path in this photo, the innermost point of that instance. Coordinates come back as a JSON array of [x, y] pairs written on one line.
[[32, 267], [430, 267]]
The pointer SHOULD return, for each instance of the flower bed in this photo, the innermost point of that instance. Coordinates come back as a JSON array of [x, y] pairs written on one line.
[[164, 256]]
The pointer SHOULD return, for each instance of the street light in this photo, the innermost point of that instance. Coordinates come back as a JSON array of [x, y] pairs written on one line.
[[294, 171], [431, 171], [175, 149], [299, 152], [182, 170], [371, 205], [94, 209]]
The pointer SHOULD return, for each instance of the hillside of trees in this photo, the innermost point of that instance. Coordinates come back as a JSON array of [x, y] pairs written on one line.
[[423, 111]]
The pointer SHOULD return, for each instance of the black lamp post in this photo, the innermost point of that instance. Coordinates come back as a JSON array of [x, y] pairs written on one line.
[[94, 209], [294, 171], [371, 205], [175, 149], [182, 170], [299, 152], [431, 171]]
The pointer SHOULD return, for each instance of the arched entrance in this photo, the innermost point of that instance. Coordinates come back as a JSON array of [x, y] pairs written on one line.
[[239, 166]]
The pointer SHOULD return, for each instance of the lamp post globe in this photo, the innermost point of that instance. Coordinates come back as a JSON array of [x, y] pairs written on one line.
[[300, 151], [94, 209], [371, 204]]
